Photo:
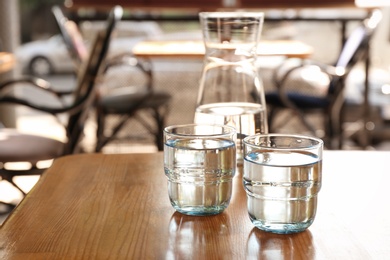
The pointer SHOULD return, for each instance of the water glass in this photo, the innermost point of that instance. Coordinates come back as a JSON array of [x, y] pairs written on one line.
[[199, 162], [282, 178]]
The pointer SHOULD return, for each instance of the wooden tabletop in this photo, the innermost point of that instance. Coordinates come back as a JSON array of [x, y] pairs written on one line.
[[195, 49], [7, 61], [96, 206]]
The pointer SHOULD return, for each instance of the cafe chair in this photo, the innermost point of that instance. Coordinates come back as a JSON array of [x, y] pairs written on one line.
[[18, 147], [137, 101], [305, 86]]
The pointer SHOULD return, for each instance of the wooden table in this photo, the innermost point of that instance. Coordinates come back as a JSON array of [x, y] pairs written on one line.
[[195, 49], [96, 206], [7, 61]]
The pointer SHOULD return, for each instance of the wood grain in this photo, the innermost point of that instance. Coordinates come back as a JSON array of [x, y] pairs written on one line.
[[97, 206]]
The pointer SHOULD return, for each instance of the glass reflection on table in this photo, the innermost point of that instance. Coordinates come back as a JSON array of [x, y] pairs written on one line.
[[191, 236], [265, 245]]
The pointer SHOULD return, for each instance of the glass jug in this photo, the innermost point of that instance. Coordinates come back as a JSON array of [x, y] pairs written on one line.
[[231, 90]]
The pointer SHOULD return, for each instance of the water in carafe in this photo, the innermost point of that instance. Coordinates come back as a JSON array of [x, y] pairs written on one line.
[[231, 90]]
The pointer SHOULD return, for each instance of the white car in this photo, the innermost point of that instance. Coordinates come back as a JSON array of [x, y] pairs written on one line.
[[50, 56], [44, 57]]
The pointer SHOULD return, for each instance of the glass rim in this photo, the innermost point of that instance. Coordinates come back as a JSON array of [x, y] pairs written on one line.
[[232, 14], [320, 142], [232, 130]]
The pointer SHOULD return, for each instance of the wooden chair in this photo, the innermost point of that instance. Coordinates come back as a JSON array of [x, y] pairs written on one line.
[[27, 148], [297, 96], [127, 101]]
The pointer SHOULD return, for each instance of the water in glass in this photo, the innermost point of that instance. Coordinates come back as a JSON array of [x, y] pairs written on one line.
[[282, 189], [200, 174]]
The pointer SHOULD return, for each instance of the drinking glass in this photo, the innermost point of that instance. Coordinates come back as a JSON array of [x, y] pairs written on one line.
[[199, 162], [282, 178], [231, 90]]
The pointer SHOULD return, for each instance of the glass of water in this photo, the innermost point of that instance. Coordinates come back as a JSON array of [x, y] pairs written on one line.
[[282, 178], [200, 163]]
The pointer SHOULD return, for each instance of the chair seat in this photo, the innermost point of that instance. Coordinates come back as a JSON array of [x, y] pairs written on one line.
[[19, 147], [123, 100], [299, 100]]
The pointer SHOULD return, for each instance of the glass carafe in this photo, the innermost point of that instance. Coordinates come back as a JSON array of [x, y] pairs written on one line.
[[231, 90]]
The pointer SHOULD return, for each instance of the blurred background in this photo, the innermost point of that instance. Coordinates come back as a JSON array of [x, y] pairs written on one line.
[[28, 25]]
